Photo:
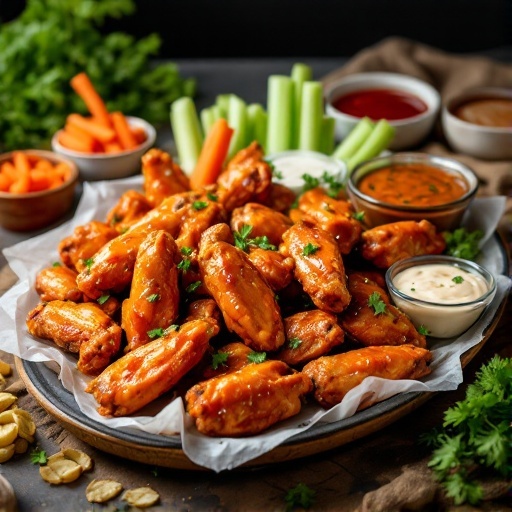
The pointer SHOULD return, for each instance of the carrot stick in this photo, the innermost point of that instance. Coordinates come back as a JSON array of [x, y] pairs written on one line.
[[123, 131], [87, 138], [70, 141], [9, 170], [139, 133], [39, 180], [92, 127], [83, 86], [21, 185], [5, 182], [112, 147], [212, 155], [21, 162]]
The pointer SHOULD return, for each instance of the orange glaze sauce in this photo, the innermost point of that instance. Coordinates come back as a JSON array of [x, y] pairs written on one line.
[[413, 184]]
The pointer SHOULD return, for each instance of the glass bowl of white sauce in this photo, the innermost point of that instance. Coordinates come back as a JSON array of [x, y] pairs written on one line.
[[442, 295], [291, 166]]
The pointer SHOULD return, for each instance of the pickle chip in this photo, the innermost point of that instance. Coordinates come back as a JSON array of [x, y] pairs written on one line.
[[6, 400], [26, 425], [101, 491], [6, 453], [8, 434], [81, 458], [141, 497], [60, 471]]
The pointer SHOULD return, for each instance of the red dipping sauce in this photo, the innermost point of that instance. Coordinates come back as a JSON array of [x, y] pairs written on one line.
[[390, 104]]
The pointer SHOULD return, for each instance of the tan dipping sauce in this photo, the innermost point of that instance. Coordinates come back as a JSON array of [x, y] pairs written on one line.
[[413, 184], [495, 112]]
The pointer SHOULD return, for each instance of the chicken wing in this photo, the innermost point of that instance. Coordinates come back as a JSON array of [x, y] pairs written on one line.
[[334, 376], [78, 328], [58, 283], [154, 294], [263, 221], [371, 319], [142, 375], [335, 216], [318, 266], [386, 244], [309, 334], [162, 176], [247, 303], [128, 210], [281, 198], [275, 268], [85, 241], [233, 357], [247, 401]]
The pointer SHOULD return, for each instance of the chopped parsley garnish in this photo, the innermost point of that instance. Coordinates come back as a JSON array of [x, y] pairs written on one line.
[[199, 205], [159, 331], [101, 300], [458, 279], [191, 288], [300, 496], [56, 264], [334, 187], [219, 358], [358, 216], [38, 456], [153, 297], [309, 182], [257, 357], [433, 188], [186, 251], [423, 330], [462, 243], [242, 240], [375, 301], [184, 264], [294, 343], [309, 249], [212, 197], [89, 263]]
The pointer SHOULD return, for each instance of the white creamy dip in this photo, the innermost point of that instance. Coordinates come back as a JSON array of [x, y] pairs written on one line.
[[449, 297], [290, 166]]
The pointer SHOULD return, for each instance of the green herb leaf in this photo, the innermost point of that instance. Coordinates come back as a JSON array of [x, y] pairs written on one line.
[[156, 333], [56, 264], [423, 330], [186, 251], [299, 496], [191, 288], [153, 297], [199, 205], [294, 343], [375, 301], [219, 358], [462, 243], [309, 249], [212, 197], [309, 182], [38, 456], [101, 300], [334, 187], [89, 263], [358, 216], [458, 279], [257, 357], [184, 264]]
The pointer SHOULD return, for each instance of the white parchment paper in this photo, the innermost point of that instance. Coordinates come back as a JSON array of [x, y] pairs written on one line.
[[30, 256]]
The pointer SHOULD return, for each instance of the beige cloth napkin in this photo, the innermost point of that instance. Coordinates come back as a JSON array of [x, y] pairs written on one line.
[[449, 74]]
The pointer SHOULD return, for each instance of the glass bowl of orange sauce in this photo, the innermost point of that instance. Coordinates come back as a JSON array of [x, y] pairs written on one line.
[[412, 186]]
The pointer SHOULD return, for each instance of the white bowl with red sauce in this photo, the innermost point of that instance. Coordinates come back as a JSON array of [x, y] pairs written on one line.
[[410, 105], [478, 122], [412, 186]]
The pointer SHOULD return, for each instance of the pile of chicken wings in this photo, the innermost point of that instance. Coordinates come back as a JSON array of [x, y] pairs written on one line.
[[242, 298]]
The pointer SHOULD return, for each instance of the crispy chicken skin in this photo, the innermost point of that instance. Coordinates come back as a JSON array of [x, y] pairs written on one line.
[[263, 221], [318, 266], [247, 401], [203, 309], [247, 303], [336, 216], [309, 334], [389, 243], [84, 242], [237, 357], [281, 198], [334, 376], [78, 328], [58, 283], [149, 371], [154, 294], [246, 178], [275, 268], [361, 322], [129, 209], [162, 176]]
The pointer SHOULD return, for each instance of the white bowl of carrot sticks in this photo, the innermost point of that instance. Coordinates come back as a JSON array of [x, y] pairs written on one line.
[[104, 145], [37, 188]]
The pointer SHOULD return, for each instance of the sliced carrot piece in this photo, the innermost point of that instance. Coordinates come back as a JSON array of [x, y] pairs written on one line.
[[123, 131], [92, 127], [82, 85], [74, 143]]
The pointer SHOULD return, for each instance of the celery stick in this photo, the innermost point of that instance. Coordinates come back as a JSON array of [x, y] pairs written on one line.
[[222, 102], [237, 119], [257, 123], [300, 73], [382, 134], [187, 133], [311, 116], [354, 140], [207, 117], [279, 112], [327, 137]]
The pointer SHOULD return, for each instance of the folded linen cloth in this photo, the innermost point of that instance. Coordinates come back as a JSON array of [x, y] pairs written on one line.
[[450, 74]]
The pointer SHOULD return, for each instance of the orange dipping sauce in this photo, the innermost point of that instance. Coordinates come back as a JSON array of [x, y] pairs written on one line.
[[413, 184], [495, 112]]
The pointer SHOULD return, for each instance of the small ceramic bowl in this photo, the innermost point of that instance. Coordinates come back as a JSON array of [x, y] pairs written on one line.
[[443, 294], [472, 138], [409, 131], [101, 166], [35, 210], [445, 215], [290, 167]]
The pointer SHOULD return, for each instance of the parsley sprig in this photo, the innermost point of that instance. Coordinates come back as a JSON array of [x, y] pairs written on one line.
[[299, 496], [375, 301], [476, 435], [242, 240], [462, 243]]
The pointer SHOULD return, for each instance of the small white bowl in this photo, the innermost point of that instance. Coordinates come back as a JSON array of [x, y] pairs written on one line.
[[441, 316], [487, 142], [409, 132], [101, 166], [290, 166]]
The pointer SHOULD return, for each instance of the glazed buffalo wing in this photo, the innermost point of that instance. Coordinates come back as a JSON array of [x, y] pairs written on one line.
[[389, 243], [309, 334], [232, 357], [247, 401], [154, 293], [162, 176], [275, 268], [318, 266], [246, 301], [336, 216], [142, 375], [334, 376], [58, 283], [78, 328], [130, 208], [371, 319]]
